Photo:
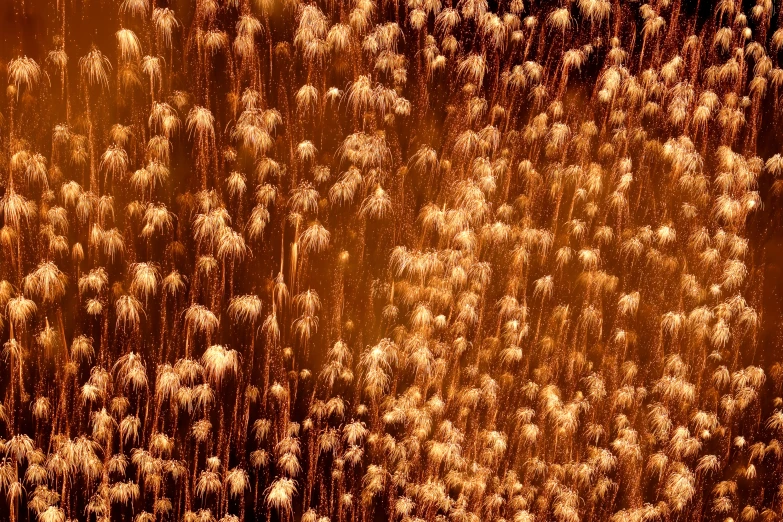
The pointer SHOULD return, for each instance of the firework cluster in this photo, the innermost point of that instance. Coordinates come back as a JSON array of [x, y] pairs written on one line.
[[357, 260]]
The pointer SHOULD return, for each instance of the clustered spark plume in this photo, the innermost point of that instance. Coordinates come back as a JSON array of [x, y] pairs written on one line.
[[422, 261]]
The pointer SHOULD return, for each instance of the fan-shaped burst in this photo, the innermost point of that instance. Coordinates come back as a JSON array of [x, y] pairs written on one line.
[[95, 68], [138, 8], [25, 72], [129, 45], [201, 123], [218, 362], [245, 308]]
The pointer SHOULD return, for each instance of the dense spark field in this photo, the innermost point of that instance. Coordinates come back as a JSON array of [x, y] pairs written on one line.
[[371, 260]]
